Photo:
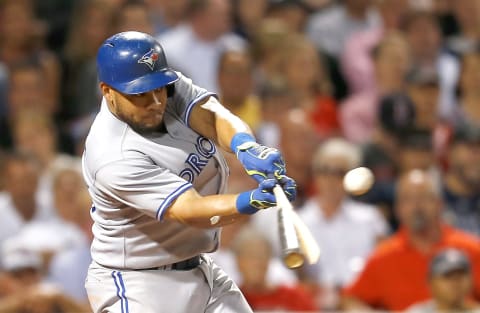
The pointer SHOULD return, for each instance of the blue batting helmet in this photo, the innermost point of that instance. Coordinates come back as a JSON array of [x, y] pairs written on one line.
[[133, 62]]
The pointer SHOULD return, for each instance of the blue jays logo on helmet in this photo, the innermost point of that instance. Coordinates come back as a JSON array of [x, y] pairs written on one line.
[[123, 64], [149, 59]]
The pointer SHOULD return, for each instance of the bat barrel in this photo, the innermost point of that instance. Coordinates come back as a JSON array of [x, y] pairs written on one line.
[[291, 251]]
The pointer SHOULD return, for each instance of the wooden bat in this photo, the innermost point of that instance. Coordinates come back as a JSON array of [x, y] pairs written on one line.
[[298, 244]]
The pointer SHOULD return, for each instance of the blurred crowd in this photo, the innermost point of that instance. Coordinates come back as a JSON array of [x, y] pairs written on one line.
[[393, 85]]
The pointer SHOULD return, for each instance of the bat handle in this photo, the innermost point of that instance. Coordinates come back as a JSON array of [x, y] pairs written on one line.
[[282, 200]]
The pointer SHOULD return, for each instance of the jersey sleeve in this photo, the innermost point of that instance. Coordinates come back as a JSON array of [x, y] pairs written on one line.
[[186, 96], [140, 184]]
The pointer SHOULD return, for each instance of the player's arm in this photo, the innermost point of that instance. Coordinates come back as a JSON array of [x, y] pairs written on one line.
[[217, 210], [135, 182], [212, 120]]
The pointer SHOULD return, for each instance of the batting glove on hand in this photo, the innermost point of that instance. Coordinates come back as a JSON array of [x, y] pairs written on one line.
[[289, 186], [250, 202], [260, 162]]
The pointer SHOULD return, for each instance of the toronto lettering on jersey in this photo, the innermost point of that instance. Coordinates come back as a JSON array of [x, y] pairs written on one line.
[[197, 161]]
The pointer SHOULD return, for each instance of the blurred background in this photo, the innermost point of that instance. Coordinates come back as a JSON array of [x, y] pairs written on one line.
[[393, 85]]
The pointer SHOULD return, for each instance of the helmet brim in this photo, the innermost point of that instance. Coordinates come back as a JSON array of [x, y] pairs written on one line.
[[148, 82]]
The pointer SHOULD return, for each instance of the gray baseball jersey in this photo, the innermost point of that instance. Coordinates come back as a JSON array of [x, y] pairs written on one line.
[[133, 179]]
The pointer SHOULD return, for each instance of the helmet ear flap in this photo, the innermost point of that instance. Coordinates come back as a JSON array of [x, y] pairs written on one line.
[[170, 90]]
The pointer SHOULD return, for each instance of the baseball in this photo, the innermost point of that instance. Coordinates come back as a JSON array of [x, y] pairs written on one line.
[[358, 181]]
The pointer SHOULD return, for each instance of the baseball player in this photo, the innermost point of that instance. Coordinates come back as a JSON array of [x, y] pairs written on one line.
[[155, 174]]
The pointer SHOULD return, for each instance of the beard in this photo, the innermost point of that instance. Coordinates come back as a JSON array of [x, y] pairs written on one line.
[[139, 127]]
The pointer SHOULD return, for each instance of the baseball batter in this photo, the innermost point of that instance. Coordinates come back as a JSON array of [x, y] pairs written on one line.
[[156, 178]]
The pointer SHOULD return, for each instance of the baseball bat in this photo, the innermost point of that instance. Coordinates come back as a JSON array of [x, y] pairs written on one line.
[[298, 244]]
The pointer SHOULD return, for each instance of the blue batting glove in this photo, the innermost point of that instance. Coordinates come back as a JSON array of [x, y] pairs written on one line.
[[250, 202], [260, 162], [289, 186]]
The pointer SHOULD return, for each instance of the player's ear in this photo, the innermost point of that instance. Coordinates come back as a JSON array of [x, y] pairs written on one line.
[[106, 91]]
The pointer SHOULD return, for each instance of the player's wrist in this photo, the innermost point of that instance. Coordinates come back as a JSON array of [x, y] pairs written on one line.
[[242, 141], [243, 203]]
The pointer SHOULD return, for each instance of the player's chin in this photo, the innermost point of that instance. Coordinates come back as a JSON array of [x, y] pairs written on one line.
[[152, 120], [147, 125]]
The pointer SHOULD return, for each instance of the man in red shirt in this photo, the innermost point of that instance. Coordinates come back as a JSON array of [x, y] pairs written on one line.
[[394, 276]]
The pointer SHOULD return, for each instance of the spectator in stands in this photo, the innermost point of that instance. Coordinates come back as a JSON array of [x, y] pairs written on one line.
[[306, 75], [270, 39], [298, 154], [277, 273], [21, 43], [253, 254], [461, 183], [277, 97], [23, 265], [394, 276], [29, 292], [133, 15], [19, 205], [72, 203], [416, 152], [450, 282], [71, 199], [34, 132], [423, 33], [358, 113], [424, 89], [3, 89], [356, 61], [235, 80], [194, 48], [467, 109], [248, 15], [42, 237], [466, 17], [8, 285], [382, 153], [167, 14], [356, 227], [329, 28], [424, 37], [26, 91], [90, 26], [292, 12]]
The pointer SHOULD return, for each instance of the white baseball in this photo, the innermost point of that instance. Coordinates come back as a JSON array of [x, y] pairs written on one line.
[[358, 181]]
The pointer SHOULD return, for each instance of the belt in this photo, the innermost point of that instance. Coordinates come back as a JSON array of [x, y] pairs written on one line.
[[184, 265]]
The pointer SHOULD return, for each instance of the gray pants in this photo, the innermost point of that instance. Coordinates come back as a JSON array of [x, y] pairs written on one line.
[[206, 288]]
